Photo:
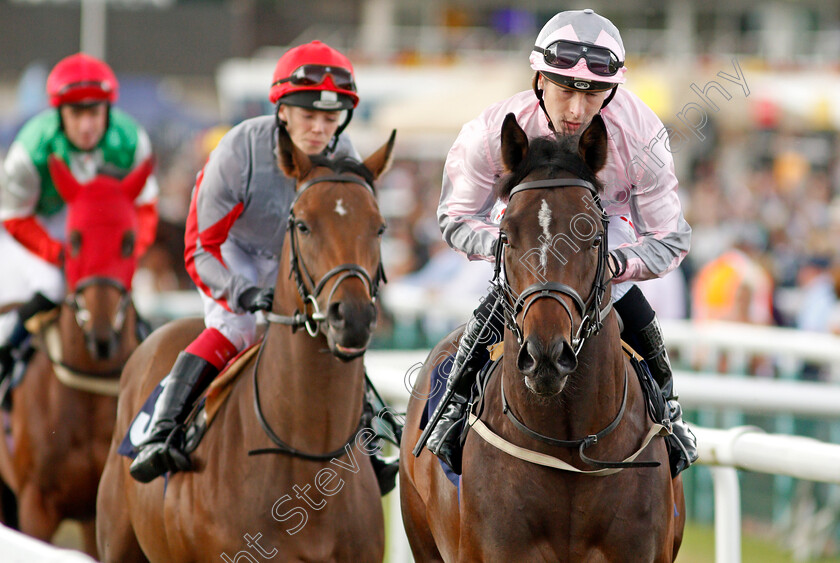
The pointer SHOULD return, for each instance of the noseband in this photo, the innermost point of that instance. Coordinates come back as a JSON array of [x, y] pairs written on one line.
[[590, 310], [304, 280], [76, 302]]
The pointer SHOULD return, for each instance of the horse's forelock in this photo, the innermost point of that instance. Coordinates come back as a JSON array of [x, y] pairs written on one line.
[[344, 165], [553, 155]]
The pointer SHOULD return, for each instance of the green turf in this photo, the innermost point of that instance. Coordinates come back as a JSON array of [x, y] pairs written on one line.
[[699, 547]]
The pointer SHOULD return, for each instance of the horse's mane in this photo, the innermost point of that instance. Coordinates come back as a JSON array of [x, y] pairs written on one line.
[[344, 165], [554, 154]]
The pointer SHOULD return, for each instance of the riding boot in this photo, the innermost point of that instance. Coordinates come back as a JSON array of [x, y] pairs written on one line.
[[444, 440], [11, 350], [7, 365], [163, 451], [386, 427], [682, 450]]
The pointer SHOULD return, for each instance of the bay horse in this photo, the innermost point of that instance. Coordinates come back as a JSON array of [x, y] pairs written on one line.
[[314, 497], [64, 409], [562, 381]]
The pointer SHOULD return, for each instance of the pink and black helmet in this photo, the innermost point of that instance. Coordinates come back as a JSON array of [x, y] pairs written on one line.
[[581, 50]]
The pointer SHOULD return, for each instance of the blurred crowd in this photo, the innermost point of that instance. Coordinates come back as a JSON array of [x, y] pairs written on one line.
[[764, 205]]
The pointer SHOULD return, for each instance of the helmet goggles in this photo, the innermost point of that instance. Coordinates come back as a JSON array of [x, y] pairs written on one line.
[[312, 75], [564, 54]]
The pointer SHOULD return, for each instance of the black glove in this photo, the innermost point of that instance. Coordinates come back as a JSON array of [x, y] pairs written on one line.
[[256, 299]]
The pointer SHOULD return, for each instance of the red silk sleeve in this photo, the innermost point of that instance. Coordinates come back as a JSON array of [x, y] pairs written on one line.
[[29, 232], [147, 216]]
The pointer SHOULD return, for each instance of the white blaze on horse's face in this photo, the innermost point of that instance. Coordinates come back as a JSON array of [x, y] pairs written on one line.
[[339, 207], [544, 218]]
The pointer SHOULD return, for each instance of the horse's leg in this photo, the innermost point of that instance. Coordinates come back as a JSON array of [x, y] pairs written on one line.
[[37, 517], [89, 538], [420, 538], [679, 521], [115, 535]]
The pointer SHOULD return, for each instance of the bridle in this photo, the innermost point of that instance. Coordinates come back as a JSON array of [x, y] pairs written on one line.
[[304, 280], [76, 302], [592, 320], [98, 382], [592, 315], [311, 322]]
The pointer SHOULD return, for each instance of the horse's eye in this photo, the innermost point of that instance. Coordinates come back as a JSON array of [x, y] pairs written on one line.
[[503, 237], [302, 227], [127, 245], [596, 242], [75, 240], [381, 230]]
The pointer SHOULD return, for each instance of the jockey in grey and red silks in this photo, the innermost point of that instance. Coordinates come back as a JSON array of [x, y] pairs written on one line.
[[236, 220]]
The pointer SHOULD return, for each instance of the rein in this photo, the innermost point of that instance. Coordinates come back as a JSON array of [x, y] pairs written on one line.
[[592, 317], [283, 447], [100, 382], [604, 467], [311, 322]]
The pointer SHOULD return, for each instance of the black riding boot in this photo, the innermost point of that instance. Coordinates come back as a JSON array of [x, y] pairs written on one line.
[[682, 450], [385, 469], [444, 439], [12, 350], [162, 451]]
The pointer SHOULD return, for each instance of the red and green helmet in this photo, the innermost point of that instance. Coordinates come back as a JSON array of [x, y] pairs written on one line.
[[315, 76], [81, 79]]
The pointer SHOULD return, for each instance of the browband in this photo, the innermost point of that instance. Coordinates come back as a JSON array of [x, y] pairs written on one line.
[[553, 183]]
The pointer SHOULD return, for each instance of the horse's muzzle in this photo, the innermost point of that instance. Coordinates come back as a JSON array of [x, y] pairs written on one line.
[[546, 367], [349, 328]]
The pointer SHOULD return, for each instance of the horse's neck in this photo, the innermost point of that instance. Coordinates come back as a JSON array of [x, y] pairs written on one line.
[[590, 399], [307, 391]]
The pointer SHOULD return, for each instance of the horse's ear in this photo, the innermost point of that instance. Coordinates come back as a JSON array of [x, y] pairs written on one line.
[[66, 184], [379, 161], [593, 144], [514, 143], [292, 161], [133, 183]]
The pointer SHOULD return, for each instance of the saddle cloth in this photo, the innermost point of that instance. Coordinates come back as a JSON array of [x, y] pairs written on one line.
[[200, 417]]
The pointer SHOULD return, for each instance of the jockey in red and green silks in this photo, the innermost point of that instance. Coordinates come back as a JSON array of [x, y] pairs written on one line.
[[92, 138]]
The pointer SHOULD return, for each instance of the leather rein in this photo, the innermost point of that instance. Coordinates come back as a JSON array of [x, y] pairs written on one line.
[[592, 317], [311, 321]]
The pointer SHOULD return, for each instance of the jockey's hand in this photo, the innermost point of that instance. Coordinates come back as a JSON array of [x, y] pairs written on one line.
[[256, 299], [615, 265]]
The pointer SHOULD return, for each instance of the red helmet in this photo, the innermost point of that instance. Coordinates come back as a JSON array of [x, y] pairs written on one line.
[[81, 78], [315, 76]]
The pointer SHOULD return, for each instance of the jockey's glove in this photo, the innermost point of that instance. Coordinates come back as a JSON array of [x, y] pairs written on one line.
[[256, 299]]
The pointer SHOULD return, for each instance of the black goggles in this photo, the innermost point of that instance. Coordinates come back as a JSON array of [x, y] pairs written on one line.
[[565, 54], [312, 75]]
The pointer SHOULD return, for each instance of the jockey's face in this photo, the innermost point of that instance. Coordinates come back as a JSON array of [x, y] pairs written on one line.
[[570, 110], [85, 125], [310, 129]]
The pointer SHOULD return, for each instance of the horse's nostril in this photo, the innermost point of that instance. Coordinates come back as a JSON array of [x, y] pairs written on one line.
[[566, 361], [335, 315], [526, 361], [103, 349]]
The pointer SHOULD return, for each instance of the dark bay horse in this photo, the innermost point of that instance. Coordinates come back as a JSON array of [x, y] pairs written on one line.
[[323, 503], [563, 376], [64, 410]]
